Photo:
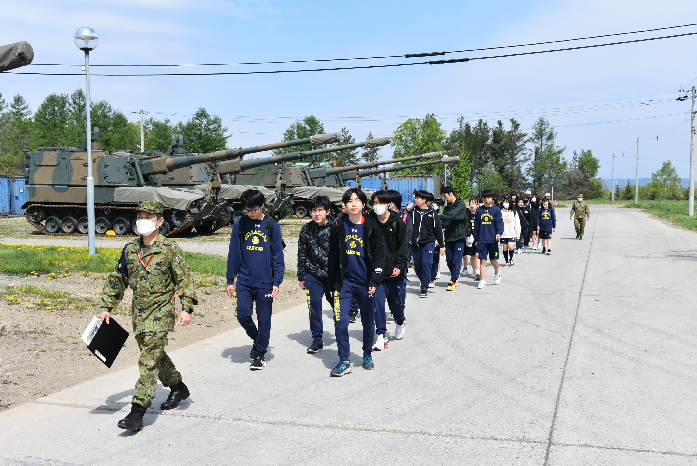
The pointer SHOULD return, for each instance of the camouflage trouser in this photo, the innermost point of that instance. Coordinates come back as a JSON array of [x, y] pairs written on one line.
[[153, 364], [580, 224]]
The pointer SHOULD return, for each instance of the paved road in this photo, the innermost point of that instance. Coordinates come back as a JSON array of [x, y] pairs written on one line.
[[582, 357]]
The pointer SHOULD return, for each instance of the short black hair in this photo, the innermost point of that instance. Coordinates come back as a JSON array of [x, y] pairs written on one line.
[[429, 197], [474, 199], [359, 194], [447, 190], [320, 201], [396, 197], [383, 197], [487, 193], [252, 198]]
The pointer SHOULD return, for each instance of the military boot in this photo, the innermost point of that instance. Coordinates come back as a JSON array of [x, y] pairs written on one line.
[[134, 420], [179, 393]]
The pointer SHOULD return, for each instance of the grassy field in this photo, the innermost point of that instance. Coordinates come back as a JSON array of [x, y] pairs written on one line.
[[675, 211], [21, 229], [57, 261]]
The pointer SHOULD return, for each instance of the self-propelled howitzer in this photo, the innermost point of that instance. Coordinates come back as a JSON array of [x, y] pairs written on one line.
[[56, 185], [277, 174]]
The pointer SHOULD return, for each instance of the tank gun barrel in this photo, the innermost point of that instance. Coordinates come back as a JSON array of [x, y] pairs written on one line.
[[323, 171], [236, 166], [364, 173], [165, 164]]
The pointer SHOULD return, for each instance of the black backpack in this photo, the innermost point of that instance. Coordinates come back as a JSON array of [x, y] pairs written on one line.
[[269, 228]]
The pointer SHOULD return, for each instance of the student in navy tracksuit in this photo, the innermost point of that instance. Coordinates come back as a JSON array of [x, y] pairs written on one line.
[[394, 232], [435, 271], [256, 260], [356, 262], [313, 266], [546, 224], [427, 230], [488, 228]]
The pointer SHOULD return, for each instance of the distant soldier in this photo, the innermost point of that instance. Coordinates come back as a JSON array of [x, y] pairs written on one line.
[[580, 213], [156, 269]]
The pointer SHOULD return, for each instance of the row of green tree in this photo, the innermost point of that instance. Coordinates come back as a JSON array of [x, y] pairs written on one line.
[[501, 157], [665, 184], [60, 120]]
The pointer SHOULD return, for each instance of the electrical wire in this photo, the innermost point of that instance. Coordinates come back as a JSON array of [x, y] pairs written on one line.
[[394, 65], [408, 55]]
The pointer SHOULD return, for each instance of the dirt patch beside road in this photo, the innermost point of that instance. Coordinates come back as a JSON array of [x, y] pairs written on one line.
[[41, 351]]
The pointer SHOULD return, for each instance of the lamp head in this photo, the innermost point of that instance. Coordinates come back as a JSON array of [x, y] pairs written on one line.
[[86, 39]]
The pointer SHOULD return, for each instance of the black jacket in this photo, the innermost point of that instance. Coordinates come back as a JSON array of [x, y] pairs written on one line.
[[374, 252], [533, 216], [524, 216], [427, 228], [455, 221], [395, 236], [313, 250]]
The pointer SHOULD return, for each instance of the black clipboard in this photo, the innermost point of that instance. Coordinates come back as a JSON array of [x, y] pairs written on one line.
[[108, 341]]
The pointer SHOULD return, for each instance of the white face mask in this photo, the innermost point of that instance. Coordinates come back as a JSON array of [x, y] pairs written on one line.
[[379, 209], [505, 205], [580, 199], [145, 226], [533, 199]]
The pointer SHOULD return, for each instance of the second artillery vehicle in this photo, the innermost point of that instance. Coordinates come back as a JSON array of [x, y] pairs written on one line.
[[57, 189]]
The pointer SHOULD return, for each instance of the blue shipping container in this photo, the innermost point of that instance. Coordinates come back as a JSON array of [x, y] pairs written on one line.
[[19, 194], [405, 186], [13, 195], [5, 198]]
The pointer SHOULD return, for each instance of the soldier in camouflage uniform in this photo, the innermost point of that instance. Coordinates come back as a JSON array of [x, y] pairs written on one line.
[[580, 212], [156, 269]]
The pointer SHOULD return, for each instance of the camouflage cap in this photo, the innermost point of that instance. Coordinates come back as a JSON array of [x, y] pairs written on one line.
[[153, 207], [580, 195]]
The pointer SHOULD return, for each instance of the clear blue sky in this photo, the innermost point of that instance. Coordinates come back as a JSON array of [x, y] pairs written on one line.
[[203, 31]]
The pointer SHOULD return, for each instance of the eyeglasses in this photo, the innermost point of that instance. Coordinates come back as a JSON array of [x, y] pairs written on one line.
[[252, 211]]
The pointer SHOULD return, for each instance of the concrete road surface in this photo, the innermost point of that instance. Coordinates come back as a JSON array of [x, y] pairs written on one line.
[[583, 357]]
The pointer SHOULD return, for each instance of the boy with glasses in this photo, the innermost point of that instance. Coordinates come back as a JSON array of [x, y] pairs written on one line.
[[256, 260]]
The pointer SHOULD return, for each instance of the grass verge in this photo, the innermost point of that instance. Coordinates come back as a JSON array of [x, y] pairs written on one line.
[[675, 211], [57, 261]]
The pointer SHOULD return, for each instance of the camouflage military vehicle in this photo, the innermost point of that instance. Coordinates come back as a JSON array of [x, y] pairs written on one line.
[[335, 193], [57, 190]]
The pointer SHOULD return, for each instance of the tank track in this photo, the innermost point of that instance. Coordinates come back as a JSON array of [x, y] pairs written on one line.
[[190, 219]]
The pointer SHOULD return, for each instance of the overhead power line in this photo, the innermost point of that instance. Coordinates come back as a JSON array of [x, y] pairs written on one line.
[[394, 65], [408, 55]]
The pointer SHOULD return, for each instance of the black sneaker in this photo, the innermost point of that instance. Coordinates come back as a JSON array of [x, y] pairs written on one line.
[[424, 292], [253, 352], [544, 250], [352, 317], [258, 363], [315, 347], [510, 264]]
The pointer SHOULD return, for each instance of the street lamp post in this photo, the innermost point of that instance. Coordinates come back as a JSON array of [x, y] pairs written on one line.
[[86, 40]]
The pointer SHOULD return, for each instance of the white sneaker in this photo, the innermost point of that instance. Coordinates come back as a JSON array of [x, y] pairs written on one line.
[[399, 330], [482, 285], [432, 284], [520, 251], [437, 275], [497, 279], [379, 343], [477, 275], [534, 248]]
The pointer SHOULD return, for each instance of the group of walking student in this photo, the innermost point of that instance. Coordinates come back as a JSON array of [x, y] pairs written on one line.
[[356, 261]]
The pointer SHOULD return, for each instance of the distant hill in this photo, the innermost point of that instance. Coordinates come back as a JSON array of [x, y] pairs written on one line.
[[642, 182]]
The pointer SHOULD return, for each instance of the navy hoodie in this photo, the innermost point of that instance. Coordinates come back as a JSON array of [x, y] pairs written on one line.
[[252, 259], [488, 222], [546, 219]]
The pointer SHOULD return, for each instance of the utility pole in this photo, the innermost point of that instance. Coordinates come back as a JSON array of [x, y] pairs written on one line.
[[636, 185], [613, 177], [142, 139], [691, 185]]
